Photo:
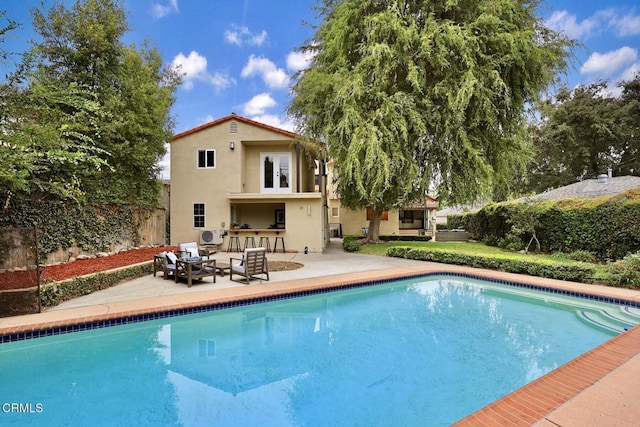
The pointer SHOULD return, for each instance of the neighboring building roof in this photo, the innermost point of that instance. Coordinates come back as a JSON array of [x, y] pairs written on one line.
[[590, 188], [429, 202], [234, 116]]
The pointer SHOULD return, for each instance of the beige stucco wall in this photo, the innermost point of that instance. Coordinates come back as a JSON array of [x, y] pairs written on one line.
[[237, 171], [353, 221]]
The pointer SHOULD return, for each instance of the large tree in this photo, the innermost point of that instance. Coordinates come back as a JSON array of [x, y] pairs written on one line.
[[629, 162], [46, 134], [583, 132], [82, 45], [411, 96], [48, 141]]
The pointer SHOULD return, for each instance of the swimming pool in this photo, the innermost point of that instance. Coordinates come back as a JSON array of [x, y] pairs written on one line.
[[432, 349]]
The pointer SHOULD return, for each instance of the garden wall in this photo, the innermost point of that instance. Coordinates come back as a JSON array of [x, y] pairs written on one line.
[[67, 230], [19, 278]]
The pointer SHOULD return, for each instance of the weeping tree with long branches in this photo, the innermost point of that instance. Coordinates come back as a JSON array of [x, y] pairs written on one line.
[[416, 96]]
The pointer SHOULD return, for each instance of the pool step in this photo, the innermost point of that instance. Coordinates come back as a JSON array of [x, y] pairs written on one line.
[[634, 312], [607, 321]]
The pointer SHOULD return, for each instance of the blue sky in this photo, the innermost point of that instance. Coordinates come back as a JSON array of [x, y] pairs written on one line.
[[239, 55]]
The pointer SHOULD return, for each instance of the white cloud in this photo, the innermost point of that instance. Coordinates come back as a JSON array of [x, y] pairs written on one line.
[[274, 77], [628, 25], [566, 23], [209, 118], [620, 22], [259, 104], [165, 163], [258, 39], [160, 11], [240, 35], [297, 61], [194, 68], [609, 63], [273, 120], [631, 72]]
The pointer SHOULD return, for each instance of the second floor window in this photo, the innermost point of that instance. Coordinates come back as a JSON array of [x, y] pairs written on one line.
[[206, 158]]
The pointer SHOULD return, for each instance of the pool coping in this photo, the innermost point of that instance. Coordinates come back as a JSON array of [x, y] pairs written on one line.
[[537, 402]]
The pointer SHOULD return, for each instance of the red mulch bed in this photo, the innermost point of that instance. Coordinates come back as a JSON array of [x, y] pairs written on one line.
[[55, 273]]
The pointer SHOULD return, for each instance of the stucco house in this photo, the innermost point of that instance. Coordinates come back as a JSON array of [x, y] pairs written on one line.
[[238, 171], [414, 218]]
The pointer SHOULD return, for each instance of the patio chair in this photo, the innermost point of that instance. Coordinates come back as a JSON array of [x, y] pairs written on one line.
[[192, 250], [165, 262], [252, 265]]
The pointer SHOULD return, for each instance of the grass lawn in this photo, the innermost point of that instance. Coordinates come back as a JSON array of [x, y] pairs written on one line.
[[469, 248]]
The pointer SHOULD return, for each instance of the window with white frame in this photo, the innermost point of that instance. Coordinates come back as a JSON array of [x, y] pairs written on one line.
[[198, 215], [206, 158], [206, 348], [335, 212]]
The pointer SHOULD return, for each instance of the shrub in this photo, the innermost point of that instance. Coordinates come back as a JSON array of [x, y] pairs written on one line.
[[351, 244], [608, 227], [625, 272], [55, 293], [534, 267]]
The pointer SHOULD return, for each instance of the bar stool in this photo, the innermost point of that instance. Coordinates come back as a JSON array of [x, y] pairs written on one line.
[[249, 239], [264, 243], [233, 240], [275, 244]]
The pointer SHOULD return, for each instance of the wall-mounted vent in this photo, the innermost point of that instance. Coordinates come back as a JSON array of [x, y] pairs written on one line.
[[233, 127]]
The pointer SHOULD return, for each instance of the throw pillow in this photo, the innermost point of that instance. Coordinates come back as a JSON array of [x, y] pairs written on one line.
[[171, 258], [193, 252]]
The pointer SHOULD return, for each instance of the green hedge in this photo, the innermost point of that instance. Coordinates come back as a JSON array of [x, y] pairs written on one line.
[[55, 293], [608, 227], [534, 267]]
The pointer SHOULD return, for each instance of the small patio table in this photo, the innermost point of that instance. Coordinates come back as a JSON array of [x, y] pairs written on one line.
[[195, 270], [221, 267]]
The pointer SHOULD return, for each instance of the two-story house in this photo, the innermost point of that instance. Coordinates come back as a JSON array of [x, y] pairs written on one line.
[[238, 171]]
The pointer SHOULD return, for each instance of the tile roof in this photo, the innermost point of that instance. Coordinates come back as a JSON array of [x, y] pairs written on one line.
[[238, 118]]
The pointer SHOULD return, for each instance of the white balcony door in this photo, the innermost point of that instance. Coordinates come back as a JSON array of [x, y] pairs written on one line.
[[275, 172]]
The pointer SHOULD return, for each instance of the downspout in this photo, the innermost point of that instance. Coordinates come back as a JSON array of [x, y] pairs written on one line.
[[298, 167]]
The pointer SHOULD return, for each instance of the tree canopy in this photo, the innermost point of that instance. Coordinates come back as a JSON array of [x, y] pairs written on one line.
[[84, 99], [583, 133], [411, 96], [45, 134]]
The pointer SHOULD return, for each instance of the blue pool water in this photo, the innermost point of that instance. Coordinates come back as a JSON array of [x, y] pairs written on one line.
[[416, 352]]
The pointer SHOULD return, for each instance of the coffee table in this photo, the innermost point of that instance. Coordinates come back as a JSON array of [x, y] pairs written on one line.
[[221, 267], [195, 270]]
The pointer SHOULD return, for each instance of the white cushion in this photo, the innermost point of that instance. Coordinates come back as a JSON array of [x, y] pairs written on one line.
[[193, 252], [184, 247], [172, 257]]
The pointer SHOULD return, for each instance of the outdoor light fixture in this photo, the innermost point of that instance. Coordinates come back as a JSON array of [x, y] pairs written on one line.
[[232, 145]]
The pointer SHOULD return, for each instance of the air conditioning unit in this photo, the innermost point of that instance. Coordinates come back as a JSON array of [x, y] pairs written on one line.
[[211, 237]]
